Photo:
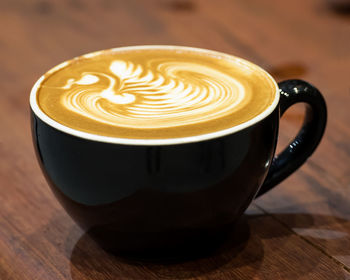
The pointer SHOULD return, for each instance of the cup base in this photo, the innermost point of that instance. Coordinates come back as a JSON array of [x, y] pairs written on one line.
[[172, 246]]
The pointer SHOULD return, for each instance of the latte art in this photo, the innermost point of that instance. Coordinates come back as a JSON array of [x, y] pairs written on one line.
[[154, 93], [167, 94]]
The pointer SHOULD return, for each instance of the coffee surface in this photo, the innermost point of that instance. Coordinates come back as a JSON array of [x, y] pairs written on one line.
[[155, 92]]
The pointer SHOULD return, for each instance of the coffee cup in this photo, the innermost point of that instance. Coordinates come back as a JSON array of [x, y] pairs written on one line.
[[186, 163]]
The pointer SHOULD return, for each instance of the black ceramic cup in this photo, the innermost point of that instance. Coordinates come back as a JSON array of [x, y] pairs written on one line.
[[147, 197]]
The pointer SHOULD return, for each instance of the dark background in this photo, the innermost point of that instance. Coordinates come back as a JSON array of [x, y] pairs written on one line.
[[300, 230]]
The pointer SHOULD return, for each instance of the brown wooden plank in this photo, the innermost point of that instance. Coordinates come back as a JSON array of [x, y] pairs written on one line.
[[59, 250], [307, 236]]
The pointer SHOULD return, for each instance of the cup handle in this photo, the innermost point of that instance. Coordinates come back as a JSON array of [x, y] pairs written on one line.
[[309, 136]]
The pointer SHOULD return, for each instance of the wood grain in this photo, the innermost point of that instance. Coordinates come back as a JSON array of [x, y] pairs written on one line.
[[300, 230]]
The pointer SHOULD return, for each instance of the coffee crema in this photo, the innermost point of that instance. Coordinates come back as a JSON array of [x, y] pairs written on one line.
[[155, 92]]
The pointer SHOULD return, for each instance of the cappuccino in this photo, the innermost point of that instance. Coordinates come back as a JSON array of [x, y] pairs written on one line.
[[155, 92]]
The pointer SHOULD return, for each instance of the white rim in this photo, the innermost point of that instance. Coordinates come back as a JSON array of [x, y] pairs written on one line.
[[107, 139]]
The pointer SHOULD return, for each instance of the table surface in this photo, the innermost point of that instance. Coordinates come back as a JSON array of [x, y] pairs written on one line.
[[299, 230]]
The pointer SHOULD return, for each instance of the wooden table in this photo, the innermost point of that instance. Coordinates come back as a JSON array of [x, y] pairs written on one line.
[[299, 230]]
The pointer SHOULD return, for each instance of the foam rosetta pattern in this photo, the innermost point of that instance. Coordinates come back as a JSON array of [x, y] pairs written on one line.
[[159, 93]]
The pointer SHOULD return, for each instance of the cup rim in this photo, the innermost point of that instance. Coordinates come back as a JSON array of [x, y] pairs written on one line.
[[150, 142]]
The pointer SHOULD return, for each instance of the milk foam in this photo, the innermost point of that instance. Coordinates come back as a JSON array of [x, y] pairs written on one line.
[[131, 94]]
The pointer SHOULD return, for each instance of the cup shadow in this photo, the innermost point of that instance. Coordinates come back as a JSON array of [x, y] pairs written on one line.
[[89, 261], [242, 253]]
